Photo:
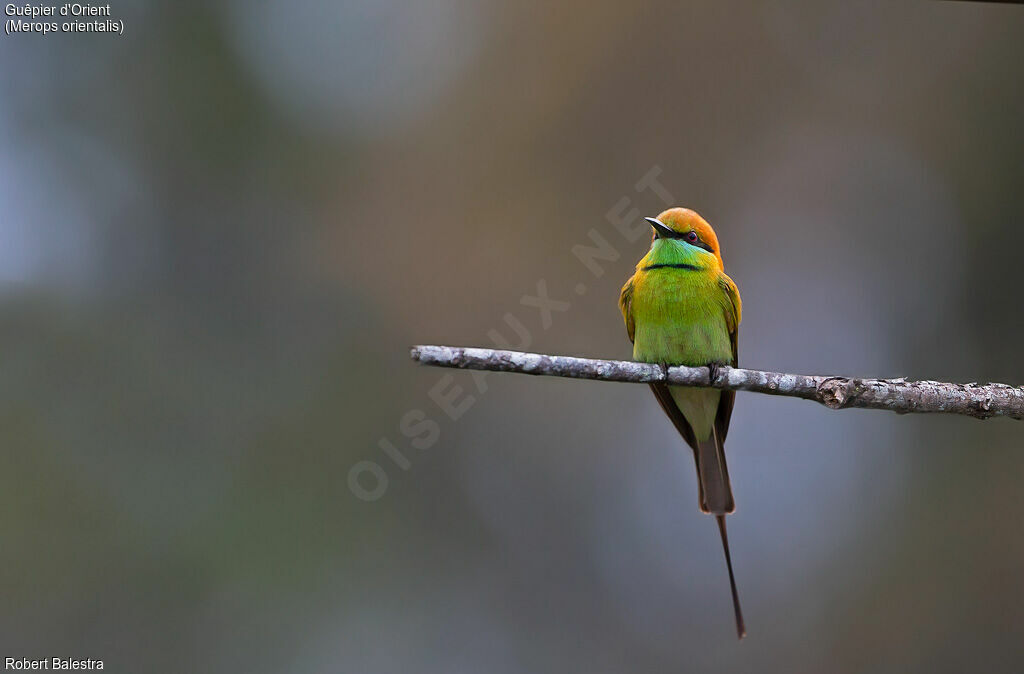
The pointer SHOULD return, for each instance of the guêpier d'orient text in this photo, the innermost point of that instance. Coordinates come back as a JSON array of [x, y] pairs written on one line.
[[67, 18]]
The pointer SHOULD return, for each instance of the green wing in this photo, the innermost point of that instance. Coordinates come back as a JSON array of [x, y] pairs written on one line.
[[733, 312], [733, 315], [626, 306]]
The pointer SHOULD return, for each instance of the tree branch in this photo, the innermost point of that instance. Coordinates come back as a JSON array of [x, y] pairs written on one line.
[[896, 395]]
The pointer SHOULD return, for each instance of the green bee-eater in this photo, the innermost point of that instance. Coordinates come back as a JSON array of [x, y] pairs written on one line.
[[681, 309]]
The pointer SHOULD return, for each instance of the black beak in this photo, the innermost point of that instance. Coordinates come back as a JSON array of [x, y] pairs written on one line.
[[660, 230]]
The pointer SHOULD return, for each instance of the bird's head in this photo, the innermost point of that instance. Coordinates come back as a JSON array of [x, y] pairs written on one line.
[[686, 233]]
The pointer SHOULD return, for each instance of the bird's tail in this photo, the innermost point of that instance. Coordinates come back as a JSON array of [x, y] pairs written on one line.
[[716, 498], [741, 629], [713, 473]]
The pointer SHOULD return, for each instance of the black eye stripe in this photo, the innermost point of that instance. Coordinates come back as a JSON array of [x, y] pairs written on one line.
[[698, 242]]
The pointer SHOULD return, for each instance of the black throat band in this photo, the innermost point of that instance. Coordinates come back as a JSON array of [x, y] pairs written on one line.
[[679, 265]]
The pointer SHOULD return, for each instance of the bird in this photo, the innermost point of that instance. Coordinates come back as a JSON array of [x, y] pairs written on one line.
[[680, 308]]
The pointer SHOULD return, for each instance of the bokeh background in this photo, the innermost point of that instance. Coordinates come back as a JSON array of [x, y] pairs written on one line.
[[221, 231]]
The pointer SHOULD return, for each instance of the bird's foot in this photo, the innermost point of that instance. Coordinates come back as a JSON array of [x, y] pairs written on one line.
[[712, 372]]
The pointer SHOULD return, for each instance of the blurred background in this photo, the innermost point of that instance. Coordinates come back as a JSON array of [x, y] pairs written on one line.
[[222, 230]]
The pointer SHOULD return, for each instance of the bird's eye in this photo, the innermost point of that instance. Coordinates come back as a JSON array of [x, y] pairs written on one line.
[[691, 237]]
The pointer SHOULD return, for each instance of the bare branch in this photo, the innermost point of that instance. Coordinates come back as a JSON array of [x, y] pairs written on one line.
[[896, 395]]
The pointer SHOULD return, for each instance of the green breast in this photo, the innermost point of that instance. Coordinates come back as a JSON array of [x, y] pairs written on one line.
[[680, 318]]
